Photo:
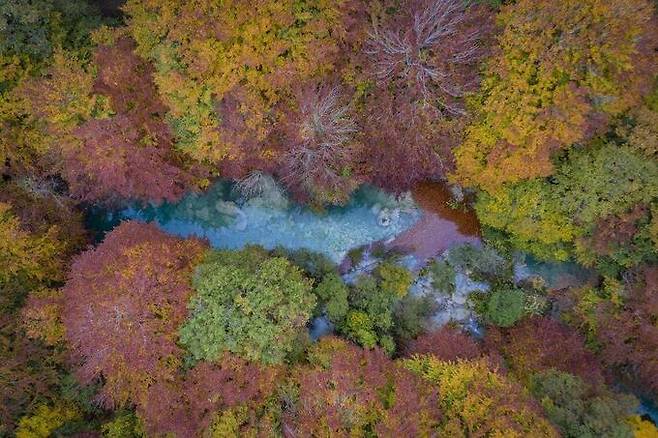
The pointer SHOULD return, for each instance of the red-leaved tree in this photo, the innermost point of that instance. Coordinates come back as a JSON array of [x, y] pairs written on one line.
[[431, 50], [630, 337], [423, 60], [114, 161], [123, 304], [350, 390], [188, 405], [540, 343], [404, 142], [128, 155]]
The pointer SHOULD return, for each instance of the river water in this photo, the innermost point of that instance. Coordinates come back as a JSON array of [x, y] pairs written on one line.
[[230, 220]]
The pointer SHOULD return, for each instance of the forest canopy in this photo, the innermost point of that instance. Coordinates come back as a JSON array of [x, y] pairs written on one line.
[[227, 218]]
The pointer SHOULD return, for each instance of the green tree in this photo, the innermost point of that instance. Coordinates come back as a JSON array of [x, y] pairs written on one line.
[[249, 304], [504, 306], [581, 411], [333, 292], [593, 193]]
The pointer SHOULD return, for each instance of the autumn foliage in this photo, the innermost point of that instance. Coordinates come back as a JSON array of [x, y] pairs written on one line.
[[347, 391], [479, 401], [128, 155], [629, 335], [124, 302], [540, 117], [204, 52], [446, 344], [194, 403], [540, 343], [562, 68]]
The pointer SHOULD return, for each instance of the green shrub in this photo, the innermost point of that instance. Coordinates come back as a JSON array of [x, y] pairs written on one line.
[[484, 263], [360, 328], [505, 306], [394, 279], [443, 276], [314, 264]]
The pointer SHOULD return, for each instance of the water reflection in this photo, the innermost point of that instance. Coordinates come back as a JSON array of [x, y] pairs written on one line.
[[440, 227]]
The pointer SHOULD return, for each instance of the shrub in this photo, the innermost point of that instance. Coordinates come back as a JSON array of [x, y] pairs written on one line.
[[443, 276], [504, 306], [483, 262]]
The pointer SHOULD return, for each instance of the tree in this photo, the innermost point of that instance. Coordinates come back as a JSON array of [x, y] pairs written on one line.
[[249, 304], [42, 316], [642, 428], [481, 261], [591, 185], [26, 260], [618, 241], [478, 401], [318, 164], [628, 334], [123, 304], [431, 50], [562, 69], [539, 344], [45, 421], [528, 214], [28, 372], [334, 293], [349, 391], [504, 306], [222, 69], [578, 410], [129, 154], [32, 30], [604, 180], [371, 319], [404, 142], [31, 33], [191, 404], [40, 205], [113, 162], [33, 258]]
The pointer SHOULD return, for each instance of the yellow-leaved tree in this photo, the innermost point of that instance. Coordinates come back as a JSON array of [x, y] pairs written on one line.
[[562, 69], [223, 66]]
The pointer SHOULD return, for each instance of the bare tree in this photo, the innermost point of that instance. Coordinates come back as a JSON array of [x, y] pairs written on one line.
[[320, 135], [434, 47]]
